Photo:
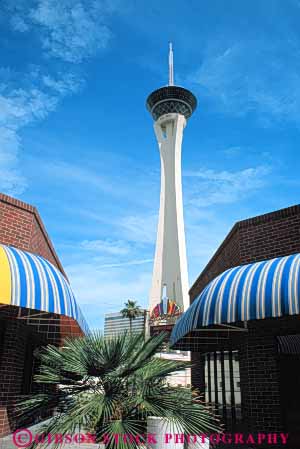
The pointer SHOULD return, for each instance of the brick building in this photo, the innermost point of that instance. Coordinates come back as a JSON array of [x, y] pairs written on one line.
[[37, 306], [243, 327]]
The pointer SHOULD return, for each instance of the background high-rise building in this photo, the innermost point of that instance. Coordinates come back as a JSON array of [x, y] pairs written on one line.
[[116, 324]]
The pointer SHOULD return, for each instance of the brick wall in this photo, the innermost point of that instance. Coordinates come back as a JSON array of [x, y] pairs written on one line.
[[12, 367], [22, 227], [259, 376], [263, 237], [267, 236], [263, 389]]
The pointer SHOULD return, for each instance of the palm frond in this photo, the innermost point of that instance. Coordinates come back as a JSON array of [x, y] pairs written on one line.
[[111, 385]]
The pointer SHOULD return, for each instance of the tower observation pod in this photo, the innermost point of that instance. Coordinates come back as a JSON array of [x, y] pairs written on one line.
[[170, 107]]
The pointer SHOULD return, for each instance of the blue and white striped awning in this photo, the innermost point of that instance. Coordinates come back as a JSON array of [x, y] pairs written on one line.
[[32, 282], [266, 289]]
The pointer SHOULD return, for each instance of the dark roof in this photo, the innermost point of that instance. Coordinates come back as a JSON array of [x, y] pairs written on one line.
[[171, 99]]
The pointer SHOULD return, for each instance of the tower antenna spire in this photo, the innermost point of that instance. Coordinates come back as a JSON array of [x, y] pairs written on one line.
[[170, 106], [171, 65]]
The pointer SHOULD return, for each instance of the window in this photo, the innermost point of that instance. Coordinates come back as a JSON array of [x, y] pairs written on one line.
[[222, 384]]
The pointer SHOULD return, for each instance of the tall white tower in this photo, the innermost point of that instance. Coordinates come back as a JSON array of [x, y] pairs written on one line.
[[170, 108]]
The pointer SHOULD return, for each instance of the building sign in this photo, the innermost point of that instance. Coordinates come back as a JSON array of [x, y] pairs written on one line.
[[165, 310]]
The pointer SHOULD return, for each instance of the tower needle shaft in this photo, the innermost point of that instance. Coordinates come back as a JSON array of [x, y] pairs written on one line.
[[171, 65]]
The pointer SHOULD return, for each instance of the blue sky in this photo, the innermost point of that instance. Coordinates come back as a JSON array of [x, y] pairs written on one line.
[[77, 141]]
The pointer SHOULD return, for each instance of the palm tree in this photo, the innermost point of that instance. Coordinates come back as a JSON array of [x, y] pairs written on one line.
[[131, 311], [110, 386]]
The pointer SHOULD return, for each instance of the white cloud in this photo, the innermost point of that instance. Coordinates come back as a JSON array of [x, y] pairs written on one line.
[[252, 76], [139, 228], [108, 287], [11, 180], [205, 229], [206, 226], [126, 264], [208, 187], [79, 175], [71, 30], [19, 107], [18, 24], [39, 96], [108, 246], [232, 151], [9, 147], [63, 84]]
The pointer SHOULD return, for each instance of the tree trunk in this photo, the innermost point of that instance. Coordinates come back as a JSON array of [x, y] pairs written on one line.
[[145, 323]]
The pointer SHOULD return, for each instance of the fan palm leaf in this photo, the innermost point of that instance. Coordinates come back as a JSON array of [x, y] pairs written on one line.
[[110, 386]]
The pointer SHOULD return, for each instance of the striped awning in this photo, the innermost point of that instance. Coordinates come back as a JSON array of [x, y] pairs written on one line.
[[266, 289], [289, 344], [32, 282]]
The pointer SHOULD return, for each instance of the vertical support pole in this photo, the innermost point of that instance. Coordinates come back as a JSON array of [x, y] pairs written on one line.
[[223, 387], [232, 398]]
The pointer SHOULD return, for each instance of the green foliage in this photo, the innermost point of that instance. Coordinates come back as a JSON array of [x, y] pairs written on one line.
[[110, 386], [131, 311]]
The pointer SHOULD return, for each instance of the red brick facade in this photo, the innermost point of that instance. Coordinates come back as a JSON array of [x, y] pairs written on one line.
[[21, 227]]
